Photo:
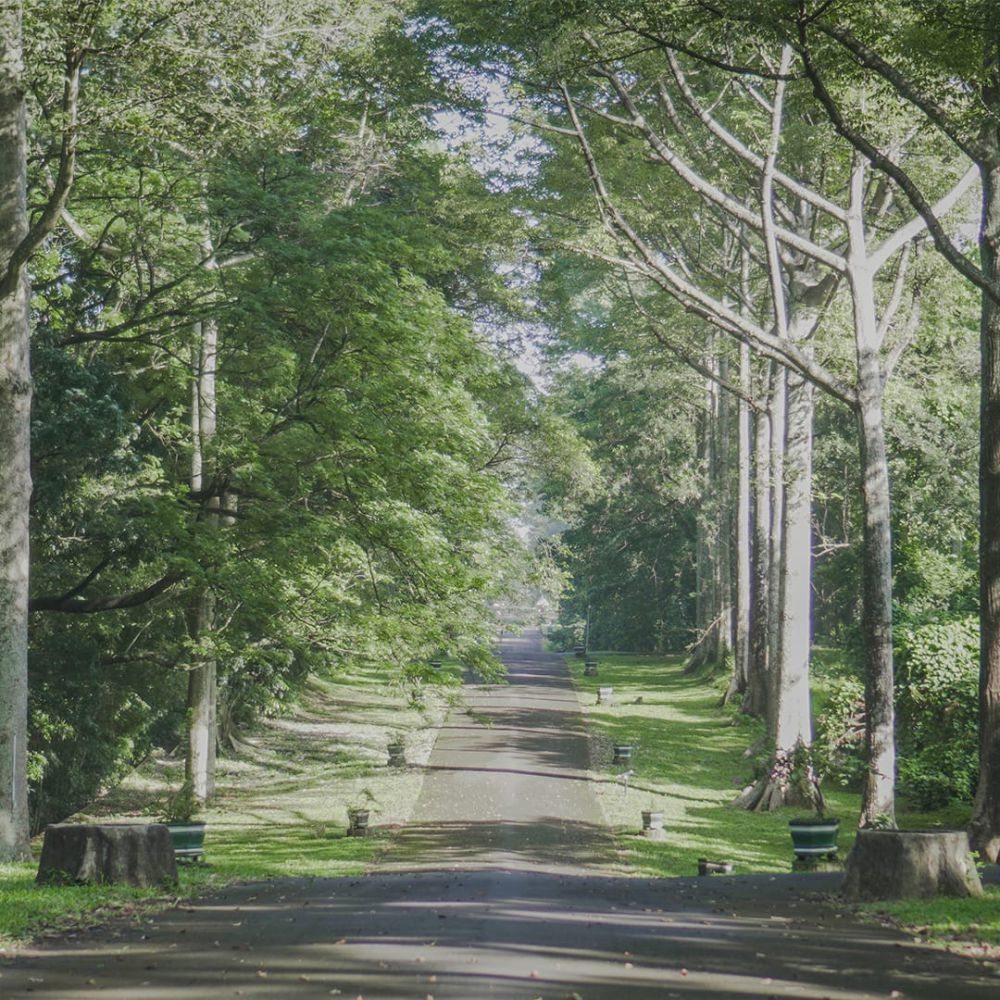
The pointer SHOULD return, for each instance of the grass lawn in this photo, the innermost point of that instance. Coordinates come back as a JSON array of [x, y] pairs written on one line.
[[280, 806], [946, 919], [688, 762]]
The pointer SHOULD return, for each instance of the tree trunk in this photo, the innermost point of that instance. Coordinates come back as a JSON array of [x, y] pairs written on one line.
[[984, 829], [778, 415], [756, 697], [790, 779], [709, 526], [792, 716], [722, 485], [878, 801], [878, 796], [15, 484], [742, 537], [202, 680]]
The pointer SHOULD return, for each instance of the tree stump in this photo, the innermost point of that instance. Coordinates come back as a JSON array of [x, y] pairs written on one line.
[[135, 854], [895, 864]]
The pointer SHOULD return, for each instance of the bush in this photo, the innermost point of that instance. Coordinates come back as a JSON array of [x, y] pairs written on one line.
[[91, 721], [937, 678], [839, 747]]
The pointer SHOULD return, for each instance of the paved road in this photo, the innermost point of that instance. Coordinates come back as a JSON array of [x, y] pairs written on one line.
[[506, 786], [505, 919]]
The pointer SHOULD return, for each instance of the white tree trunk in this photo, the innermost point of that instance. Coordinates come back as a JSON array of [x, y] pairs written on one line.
[[789, 703], [878, 798], [741, 636], [202, 680], [793, 725], [706, 646], [755, 700], [15, 472], [722, 484], [777, 410]]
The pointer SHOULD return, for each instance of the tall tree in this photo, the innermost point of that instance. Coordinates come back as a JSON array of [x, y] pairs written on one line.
[[942, 60], [19, 238]]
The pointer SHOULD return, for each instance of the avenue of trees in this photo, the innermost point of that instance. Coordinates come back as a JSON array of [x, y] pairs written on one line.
[[768, 224], [265, 436], [259, 414]]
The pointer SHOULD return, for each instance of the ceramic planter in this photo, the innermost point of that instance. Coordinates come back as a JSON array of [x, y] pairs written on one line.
[[706, 867], [358, 819], [652, 819], [188, 840], [814, 837], [397, 754]]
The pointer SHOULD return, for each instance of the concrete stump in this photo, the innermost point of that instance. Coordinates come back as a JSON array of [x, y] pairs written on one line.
[[134, 854], [895, 864]]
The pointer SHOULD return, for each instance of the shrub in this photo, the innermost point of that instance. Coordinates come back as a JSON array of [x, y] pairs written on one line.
[[839, 747], [937, 679]]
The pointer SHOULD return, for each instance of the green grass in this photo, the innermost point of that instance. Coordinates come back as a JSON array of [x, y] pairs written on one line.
[[688, 761], [280, 807], [945, 918]]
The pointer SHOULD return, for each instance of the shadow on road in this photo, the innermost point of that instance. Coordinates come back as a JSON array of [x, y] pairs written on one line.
[[476, 934]]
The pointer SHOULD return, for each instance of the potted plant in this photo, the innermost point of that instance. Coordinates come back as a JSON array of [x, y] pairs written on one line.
[[396, 749], [652, 819], [359, 813], [812, 836], [186, 833]]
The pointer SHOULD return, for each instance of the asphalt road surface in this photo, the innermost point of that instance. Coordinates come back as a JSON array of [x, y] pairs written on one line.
[[500, 888]]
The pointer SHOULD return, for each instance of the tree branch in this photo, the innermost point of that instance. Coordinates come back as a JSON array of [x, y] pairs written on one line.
[[69, 604], [880, 161], [706, 189], [46, 222], [905, 87], [741, 149], [690, 296]]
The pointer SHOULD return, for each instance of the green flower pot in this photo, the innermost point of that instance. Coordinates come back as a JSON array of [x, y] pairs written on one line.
[[188, 840], [814, 837]]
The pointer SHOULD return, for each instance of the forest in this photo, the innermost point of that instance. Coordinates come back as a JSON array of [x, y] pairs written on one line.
[[336, 331]]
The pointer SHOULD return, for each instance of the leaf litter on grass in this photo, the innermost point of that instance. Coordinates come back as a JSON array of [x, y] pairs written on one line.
[[280, 806]]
